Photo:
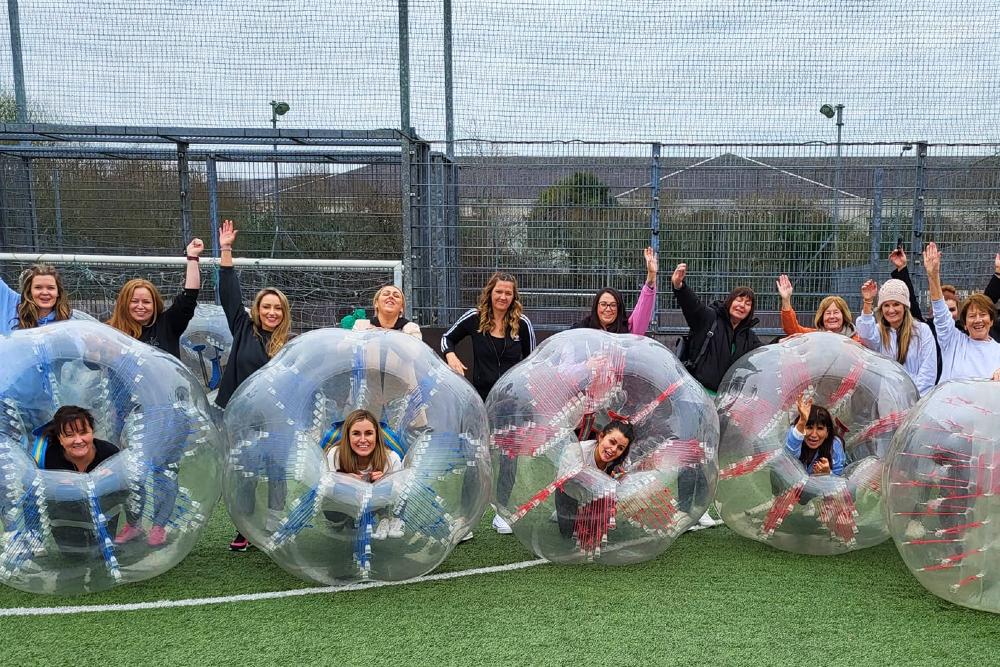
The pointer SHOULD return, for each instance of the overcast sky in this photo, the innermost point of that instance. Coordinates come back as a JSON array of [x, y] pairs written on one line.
[[720, 71]]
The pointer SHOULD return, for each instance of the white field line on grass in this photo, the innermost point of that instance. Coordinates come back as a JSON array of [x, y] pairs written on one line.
[[271, 595]]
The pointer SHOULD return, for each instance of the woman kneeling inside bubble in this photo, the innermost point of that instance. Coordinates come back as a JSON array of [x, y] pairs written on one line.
[[813, 440], [608, 454], [366, 458]]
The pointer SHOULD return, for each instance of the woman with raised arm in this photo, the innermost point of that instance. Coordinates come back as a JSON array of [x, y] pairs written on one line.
[[719, 335], [42, 300], [501, 337], [975, 355], [608, 309], [140, 312], [833, 314], [256, 338], [891, 330]]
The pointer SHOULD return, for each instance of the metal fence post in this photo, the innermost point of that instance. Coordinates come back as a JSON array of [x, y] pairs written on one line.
[[875, 234], [404, 66], [406, 190], [57, 205], [20, 91], [438, 237], [449, 110], [919, 186], [213, 217], [654, 220], [184, 181]]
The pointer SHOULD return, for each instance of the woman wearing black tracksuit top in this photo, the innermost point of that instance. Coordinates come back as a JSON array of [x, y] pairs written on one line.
[[257, 337], [501, 337]]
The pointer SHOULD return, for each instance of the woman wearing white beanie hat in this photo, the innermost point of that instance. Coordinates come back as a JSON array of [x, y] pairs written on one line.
[[892, 331]]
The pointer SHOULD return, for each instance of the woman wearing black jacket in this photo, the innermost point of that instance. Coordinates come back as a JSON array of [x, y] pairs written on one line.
[[257, 337], [501, 337], [720, 334], [140, 313]]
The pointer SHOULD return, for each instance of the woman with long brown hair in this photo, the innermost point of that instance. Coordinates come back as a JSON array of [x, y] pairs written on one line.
[[501, 337], [256, 338], [501, 334], [41, 300], [141, 313], [891, 330]]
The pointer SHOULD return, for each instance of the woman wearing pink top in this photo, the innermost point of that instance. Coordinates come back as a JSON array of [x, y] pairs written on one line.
[[608, 310]]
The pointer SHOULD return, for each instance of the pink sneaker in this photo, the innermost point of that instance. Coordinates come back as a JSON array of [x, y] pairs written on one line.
[[127, 534], [157, 536]]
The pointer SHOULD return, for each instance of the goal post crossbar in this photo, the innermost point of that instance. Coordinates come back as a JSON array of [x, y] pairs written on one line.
[[256, 262]]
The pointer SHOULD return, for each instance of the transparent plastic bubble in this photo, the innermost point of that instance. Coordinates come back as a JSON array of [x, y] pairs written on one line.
[[764, 491], [942, 488], [205, 345], [330, 527], [66, 532], [559, 504]]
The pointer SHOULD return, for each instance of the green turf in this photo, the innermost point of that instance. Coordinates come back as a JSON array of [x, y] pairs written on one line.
[[712, 599]]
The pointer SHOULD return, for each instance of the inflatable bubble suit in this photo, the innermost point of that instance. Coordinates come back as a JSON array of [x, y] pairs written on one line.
[[559, 504], [764, 491], [942, 489], [65, 532], [205, 345], [330, 527]]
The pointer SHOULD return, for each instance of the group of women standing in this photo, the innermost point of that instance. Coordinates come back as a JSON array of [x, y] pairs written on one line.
[[502, 335]]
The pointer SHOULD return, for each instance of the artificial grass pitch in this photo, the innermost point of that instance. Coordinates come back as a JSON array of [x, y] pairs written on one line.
[[713, 598]]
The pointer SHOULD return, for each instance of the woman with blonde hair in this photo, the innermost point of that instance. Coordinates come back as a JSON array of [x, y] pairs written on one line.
[[891, 330], [501, 337], [256, 338], [140, 312], [833, 314], [42, 300]]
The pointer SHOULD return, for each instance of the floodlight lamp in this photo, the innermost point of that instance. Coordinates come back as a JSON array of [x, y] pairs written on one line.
[[827, 110], [279, 108]]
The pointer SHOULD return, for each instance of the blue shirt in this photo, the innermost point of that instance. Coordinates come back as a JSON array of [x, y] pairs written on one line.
[[9, 301], [793, 445]]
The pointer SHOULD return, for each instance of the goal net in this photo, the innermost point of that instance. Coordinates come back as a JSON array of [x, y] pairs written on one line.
[[320, 292]]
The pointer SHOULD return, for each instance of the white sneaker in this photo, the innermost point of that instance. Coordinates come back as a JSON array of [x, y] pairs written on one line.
[[914, 530], [396, 527], [501, 526], [381, 530], [468, 536], [809, 510], [706, 521]]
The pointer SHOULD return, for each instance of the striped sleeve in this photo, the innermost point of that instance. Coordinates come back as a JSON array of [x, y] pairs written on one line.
[[458, 331], [527, 342]]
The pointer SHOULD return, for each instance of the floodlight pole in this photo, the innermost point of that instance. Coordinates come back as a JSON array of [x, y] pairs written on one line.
[[838, 176], [277, 109]]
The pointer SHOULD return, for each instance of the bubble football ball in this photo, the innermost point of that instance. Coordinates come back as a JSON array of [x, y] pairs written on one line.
[[942, 488], [138, 513], [330, 527], [205, 345], [548, 488], [764, 490]]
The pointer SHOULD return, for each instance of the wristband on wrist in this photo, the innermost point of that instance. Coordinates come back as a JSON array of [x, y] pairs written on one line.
[[227, 247], [192, 258]]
